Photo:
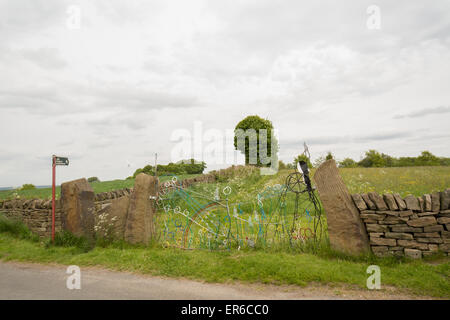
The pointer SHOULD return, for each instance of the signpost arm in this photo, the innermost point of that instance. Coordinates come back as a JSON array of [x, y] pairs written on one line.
[[53, 196]]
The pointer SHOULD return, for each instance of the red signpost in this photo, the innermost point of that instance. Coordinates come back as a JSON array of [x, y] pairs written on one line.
[[61, 161], [53, 195]]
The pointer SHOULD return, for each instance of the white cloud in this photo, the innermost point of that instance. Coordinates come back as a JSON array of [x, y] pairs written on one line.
[[112, 92]]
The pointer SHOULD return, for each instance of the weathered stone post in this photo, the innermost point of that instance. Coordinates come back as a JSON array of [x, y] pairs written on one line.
[[77, 204], [140, 226], [345, 228]]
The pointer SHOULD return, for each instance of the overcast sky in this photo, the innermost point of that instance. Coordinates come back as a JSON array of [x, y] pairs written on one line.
[[112, 92]]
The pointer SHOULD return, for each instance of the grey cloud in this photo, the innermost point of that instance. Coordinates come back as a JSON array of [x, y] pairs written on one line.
[[82, 99], [424, 112], [328, 140], [47, 58], [25, 18], [154, 75]]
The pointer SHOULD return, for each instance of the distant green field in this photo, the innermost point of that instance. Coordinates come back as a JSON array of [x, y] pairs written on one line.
[[103, 186], [404, 180]]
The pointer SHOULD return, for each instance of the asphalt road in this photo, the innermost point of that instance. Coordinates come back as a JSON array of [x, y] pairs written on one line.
[[34, 281]]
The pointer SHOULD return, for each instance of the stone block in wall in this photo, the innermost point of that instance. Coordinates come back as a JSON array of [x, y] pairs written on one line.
[[433, 247], [390, 213], [376, 228], [399, 235], [140, 227], [111, 220], [445, 234], [368, 202], [393, 220], [390, 201], [397, 248], [412, 203], [422, 222], [371, 215], [379, 251], [412, 244], [421, 204], [429, 240], [400, 202], [430, 213], [427, 202], [413, 253], [26, 203], [78, 207], [445, 199], [435, 228], [435, 201], [396, 253], [443, 220], [406, 213], [376, 234], [345, 228], [383, 241], [444, 247], [359, 202], [378, 201], [427, 235]]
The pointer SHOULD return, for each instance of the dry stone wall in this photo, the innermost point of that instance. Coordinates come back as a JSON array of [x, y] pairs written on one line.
[[412, 226], [36, 214]]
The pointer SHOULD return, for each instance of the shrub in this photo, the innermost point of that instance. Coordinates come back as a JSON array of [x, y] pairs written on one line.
[[28, 186], [17, 229], [348, 163], [373, 159], [93, 179], [182, 167]]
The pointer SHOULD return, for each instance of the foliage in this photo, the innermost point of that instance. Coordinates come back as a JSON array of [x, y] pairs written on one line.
[[67, 239], [302, 157], [182, 167], [373, 159], [329, 156], [93, 179], [28, 186], [16, 228], [256, 123], [348, 163]]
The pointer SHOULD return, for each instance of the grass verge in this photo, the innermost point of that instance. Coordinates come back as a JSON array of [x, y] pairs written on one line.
[[253, 266]]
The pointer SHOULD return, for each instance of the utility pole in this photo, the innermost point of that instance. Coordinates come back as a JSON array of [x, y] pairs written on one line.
[[156, 164]]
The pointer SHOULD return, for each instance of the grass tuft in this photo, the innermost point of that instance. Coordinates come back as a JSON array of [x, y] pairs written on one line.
[[16, 228]]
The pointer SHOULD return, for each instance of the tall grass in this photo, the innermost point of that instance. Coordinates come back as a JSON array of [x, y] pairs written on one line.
[[17, 229]]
